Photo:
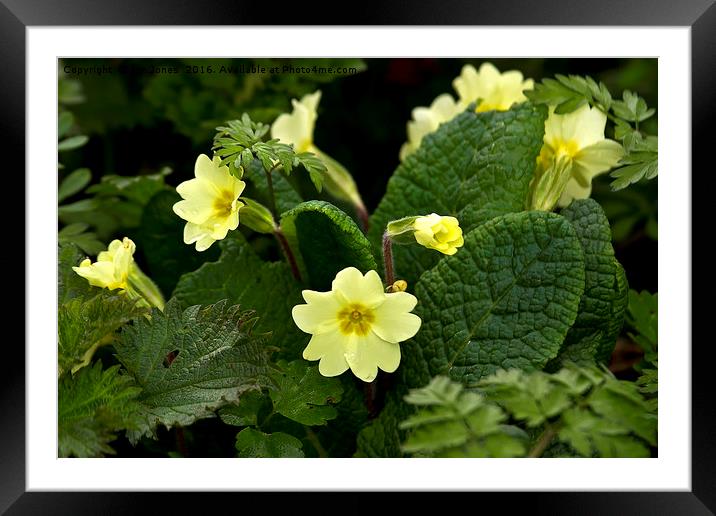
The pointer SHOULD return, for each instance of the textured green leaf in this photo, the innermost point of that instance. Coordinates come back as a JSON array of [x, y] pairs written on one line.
[[245, 411], [252, 443], [243, 278], [161, 241], [475, 167], [92, 406], [191, 363], [643, 317], [588, 340], [327, 240], [73, 183], [619, 306], [286, 196], [505, 300], [303, 395], [339, 434], [85, 324]]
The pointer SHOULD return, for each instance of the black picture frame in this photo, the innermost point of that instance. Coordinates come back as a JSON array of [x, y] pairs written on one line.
[[17, 15]]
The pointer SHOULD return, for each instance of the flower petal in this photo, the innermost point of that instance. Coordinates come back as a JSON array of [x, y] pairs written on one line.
[[573, 191], [365, 354], [320, 315], [595, 159], [393, 320], [352, 287], [327, 348]]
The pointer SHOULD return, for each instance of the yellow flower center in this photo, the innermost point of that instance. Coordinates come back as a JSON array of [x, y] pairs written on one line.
[[355, 318], [224, 203], [565, 148]]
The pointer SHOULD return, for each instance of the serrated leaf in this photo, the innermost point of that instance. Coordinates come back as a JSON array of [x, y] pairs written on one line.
[[240, 276], [327, 240], [191, 363], [382, 437], [589, 338], [253, 443], [92, 406], [161, 235], [73, 183], [138, 189], [245, 411], [303, 395], [475, 167], [83, 325], [506, 299]]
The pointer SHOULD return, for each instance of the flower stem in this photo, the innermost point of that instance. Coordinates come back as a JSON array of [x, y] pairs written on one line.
[[388, 259], [370, 392], [549, 433], [313, 439], [363, 217], [272, 195], [287, 251]]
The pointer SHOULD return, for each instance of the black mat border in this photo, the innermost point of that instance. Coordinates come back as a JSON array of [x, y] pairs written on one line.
[[16, 15]]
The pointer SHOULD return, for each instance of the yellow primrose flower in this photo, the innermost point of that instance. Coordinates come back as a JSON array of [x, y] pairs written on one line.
[[111, 270], [210, 203], [496, 91], [578, 138], [297, 128], [356, 325], [426, 120], [437, 232]]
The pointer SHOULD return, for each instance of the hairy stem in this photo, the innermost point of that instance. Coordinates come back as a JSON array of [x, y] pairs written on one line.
[[287, 251], [313, 439], [363, 217], [549, 433], [388, 260], [370, 392]]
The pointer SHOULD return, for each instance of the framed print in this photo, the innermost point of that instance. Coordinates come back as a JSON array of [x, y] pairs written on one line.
[[418, 256]]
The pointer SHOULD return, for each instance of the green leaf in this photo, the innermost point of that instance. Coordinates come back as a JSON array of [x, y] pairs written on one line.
[[303, 395], [137, 189], [83, 325], [643, 317], [245, 411], [161, 240], [589, 338], [73, 183], [506, 299], [644, 165], [191, 363], [243, 278], [453, 423], [382, 437], [252, 443], [65, 120], [475, 167], [327, 240], [92, 406], [71, 143], [69, 284]]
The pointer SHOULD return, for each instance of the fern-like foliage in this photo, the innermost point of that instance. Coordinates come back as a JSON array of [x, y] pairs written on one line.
[[452, 422]]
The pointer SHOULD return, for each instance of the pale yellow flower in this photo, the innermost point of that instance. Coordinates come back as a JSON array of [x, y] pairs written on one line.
[[297, 129], [578, 137], [496, 91], [426, 120], [210, 203], [437, 232], [356, 325], [111, 270]]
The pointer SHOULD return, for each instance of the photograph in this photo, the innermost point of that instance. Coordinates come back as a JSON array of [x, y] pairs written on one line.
[[357, 257]]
